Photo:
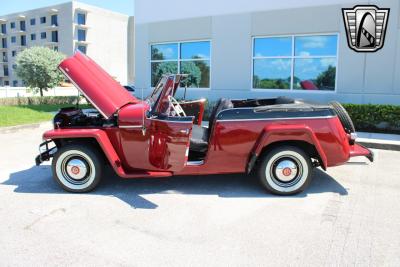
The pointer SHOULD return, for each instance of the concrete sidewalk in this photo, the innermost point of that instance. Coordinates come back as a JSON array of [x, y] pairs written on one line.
[[379, 140]]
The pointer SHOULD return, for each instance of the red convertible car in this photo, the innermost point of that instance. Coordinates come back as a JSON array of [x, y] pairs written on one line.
[[279, 139]]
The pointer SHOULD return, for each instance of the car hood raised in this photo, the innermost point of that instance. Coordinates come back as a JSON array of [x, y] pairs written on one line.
[[103, 91]]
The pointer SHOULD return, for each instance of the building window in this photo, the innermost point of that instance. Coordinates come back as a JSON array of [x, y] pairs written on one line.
[[81, 19], [5, 70], [23, 40], [33, 22], [22, 25], [33, 36], [191, 58], [12, 25], [43, 35], [14, 53], [295, 62], [15, 83], [42, 20], [13, 39], [81, 35], [4, 28], [6, 83], [82, 48], [54, 36], [4, 43], [54, 20], [55, 48], [5, 59]]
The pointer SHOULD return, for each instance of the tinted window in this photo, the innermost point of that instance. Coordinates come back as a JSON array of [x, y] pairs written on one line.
[[54, 36], [81, 19], [23, 40], [33, 37], [160, 68], [22, 25], [13, 39], [43, 20], [4, 28], [12, 25], [81, 35], [195, 50], [33, 22], [272, 47], [325, 45], [315, 73], [54, 20], [43, 35], [164, 52], [4, 43], [272, 73], [82, 48]]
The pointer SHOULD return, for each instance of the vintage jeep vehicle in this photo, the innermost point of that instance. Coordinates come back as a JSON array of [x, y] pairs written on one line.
[[279, 139]]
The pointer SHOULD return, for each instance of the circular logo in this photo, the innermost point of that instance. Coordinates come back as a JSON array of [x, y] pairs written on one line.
[[287, 171], [75, 170]]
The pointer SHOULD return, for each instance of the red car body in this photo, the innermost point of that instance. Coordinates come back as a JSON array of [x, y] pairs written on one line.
[[140, 138]]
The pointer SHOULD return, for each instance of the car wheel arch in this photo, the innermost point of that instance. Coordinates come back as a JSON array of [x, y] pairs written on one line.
[[272, 137]]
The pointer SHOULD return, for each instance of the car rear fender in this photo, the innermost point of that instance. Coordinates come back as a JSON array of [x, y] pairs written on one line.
[[99, 135], [280, 133]]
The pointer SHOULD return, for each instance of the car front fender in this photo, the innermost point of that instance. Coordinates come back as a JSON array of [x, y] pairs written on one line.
[[99, 135]]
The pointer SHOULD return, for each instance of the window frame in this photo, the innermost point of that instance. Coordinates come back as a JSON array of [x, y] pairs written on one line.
[[179, 60], [293, 57]]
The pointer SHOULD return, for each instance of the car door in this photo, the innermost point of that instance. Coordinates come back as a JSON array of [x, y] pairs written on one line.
[[169, 140]]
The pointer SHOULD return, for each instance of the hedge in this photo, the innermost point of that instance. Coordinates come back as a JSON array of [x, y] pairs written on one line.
[[35, 100], [375, 118]]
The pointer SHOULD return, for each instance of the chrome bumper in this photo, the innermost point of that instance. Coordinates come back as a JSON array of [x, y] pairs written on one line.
[[45, 153]]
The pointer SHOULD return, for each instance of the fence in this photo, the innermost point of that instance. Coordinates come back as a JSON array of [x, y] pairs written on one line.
[[23, 91]]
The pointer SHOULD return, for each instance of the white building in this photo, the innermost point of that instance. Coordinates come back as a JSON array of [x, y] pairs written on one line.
[[100, 33], [260, 48]]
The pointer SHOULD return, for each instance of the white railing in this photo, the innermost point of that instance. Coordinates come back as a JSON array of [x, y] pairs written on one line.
[[23, 91]]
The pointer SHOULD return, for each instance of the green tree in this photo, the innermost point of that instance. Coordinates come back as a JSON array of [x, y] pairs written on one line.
[[37, 67], [160, 68], [326, 79], [189, 67]]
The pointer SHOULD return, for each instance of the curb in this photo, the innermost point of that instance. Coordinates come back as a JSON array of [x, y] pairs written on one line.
[[386, 146], [12, 129]]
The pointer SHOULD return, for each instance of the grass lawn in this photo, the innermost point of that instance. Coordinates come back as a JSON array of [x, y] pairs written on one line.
[[17, 115]]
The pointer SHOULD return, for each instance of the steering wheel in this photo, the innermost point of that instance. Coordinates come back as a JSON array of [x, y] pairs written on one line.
[[173, 103]]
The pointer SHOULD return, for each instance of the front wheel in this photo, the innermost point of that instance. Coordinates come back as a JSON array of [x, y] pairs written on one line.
[[77, 168], [285, 170]]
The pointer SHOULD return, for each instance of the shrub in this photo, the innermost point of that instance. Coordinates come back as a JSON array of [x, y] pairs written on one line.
[[34, 100], [375, 118]]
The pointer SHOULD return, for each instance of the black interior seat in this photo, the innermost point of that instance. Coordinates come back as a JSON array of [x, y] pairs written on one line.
[[201, 135]]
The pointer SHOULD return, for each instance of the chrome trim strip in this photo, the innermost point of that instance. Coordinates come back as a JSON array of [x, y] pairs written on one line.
[[91, 101], [283, 118], [130, 126], [172, 121], [195, 163]]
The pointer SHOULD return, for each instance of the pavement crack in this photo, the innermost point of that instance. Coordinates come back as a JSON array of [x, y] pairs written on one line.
[[29, 226]]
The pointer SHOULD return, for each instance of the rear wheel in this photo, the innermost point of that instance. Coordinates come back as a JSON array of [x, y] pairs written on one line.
[[285, 170], [77, 168]]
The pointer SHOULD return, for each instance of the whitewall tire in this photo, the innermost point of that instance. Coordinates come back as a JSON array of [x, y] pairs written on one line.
[[285, 170], [77, 168]]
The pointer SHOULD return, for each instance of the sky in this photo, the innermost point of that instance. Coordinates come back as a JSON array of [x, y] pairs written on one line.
[[14, 6]]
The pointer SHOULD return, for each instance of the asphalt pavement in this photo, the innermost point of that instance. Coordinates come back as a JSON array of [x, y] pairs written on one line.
[[349, 215]]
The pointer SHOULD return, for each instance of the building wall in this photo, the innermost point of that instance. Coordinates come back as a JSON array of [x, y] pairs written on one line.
[[361, 77], [107, 39], [106, 36]]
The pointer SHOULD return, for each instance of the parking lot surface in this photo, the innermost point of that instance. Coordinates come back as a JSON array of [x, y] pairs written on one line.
[[350, 215]]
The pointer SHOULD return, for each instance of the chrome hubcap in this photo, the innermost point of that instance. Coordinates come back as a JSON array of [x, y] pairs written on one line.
[[76, 169], [286, 170]]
